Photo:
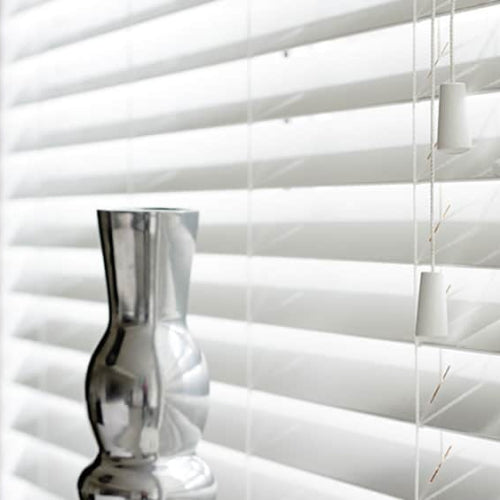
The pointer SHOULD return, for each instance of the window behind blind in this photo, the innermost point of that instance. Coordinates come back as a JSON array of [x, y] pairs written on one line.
[[300, 130]]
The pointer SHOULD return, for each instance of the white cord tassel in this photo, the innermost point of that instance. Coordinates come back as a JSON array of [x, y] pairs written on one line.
[[453, 132], [432, 312]]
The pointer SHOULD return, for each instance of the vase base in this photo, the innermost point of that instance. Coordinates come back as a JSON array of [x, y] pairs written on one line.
[[177, 478]]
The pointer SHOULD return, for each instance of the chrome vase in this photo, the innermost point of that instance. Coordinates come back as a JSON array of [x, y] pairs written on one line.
[[147, 383]]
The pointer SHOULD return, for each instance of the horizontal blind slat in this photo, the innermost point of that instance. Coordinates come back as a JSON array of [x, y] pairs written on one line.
[[281, 364], [167, 166], [16, 486], [230, 466], [154, 46], [297, 299], [42, 30], [355, 214], [37, 462], [356, 130], [276, 433]]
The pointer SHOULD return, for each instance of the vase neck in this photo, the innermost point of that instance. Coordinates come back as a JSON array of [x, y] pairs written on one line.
[[147, 258]]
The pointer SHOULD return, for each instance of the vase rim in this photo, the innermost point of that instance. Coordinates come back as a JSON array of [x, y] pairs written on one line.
[[149, 209]]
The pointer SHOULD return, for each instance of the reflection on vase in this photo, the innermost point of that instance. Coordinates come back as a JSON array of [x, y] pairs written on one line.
[[147, 384]]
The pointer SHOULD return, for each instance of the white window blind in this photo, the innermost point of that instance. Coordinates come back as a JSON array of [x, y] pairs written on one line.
[[300, 130]]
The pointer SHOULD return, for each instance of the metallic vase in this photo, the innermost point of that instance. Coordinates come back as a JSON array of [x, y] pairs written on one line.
[[147, 383]]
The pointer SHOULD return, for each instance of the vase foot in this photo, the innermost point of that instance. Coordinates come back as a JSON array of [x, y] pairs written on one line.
[[178, 478]]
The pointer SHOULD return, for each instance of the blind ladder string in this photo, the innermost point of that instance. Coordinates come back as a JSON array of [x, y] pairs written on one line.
[[432, 152], [452, 40]]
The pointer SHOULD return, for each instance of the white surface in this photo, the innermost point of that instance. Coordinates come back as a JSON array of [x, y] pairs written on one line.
[[432, 310], [453, 127], [147, 103]]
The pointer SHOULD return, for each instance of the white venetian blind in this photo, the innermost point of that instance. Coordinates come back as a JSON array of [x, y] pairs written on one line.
[[300, 131]]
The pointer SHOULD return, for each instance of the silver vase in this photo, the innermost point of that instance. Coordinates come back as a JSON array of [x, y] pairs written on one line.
[[147, 383]]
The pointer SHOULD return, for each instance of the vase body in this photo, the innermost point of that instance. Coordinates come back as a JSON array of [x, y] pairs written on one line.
[[147, 383]]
